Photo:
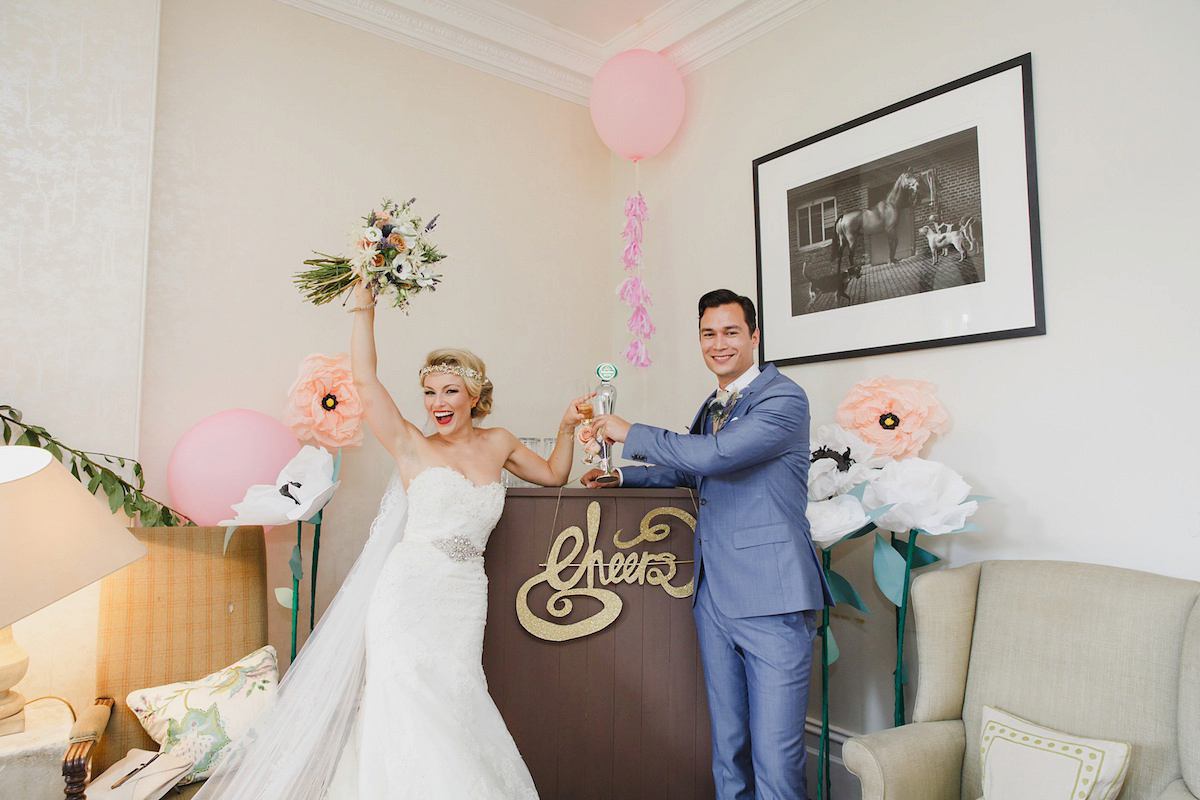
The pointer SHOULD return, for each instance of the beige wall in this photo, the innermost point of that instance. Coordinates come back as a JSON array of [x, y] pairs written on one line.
[[276, 131], [1077, 434], [76, 121]]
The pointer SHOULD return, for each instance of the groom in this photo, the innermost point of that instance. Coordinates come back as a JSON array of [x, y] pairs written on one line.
[[758, 581]]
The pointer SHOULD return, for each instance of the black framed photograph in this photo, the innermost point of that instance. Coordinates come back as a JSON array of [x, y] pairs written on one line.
[[915, 226]]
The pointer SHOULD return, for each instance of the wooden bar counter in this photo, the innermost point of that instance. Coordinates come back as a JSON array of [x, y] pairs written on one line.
[[618, 713]]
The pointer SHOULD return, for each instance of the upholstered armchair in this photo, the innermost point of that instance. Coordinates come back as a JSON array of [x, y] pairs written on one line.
[[1096, 651], [185, 610]]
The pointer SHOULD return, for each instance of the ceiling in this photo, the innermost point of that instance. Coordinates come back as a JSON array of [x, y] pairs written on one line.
[[556, 46]]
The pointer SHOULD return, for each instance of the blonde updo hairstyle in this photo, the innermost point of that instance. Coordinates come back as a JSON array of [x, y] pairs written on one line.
[[482, 390]]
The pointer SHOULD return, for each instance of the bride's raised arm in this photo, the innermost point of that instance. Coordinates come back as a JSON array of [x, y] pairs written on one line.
[[390, 427], [554, 471]]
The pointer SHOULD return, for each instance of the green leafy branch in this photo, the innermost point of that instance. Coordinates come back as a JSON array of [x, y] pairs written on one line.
[[121, 493]]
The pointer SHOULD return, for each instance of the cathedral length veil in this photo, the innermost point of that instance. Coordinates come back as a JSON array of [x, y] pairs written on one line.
[[293, 752]]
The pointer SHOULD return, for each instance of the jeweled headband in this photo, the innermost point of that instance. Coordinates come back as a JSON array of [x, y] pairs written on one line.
[[453, 369]]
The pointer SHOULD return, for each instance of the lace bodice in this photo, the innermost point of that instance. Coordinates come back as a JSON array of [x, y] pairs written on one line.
[[445, 507]]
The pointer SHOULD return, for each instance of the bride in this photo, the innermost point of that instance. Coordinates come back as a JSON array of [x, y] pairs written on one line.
[[388, 698]]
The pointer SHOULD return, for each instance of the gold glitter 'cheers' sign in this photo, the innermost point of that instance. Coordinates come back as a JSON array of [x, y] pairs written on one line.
[[574, 559]]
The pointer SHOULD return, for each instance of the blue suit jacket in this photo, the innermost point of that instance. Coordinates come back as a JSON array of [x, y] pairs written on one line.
[[752, 536]]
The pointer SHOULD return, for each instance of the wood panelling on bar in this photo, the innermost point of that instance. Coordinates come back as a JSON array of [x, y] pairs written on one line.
[[619, 714]]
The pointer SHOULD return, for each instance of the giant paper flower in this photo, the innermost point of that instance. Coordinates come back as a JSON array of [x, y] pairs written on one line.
[[840, 461], [925, 495], [897, 416], [323, 405], [302, 489], [834, 519]]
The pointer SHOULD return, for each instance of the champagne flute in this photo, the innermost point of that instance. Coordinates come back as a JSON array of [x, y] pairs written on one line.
[[584, 389]]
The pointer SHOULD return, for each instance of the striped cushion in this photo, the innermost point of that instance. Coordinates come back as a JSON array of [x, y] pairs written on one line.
[[182, 612]]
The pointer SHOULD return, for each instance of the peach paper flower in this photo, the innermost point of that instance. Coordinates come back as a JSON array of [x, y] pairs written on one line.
[[897, 416], [323, 404]]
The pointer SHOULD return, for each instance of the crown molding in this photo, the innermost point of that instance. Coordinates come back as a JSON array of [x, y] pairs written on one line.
[[497, 39]]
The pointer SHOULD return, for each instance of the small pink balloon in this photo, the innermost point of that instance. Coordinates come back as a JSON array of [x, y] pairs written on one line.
[[637, 103], [221, 456]]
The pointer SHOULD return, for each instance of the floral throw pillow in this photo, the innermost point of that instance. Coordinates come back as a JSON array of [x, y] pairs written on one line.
[[199, 720], [1024, 761]]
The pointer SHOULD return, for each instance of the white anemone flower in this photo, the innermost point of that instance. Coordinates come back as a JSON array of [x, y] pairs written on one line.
[[302, 489], [373, 234], [404, 226], [834, 519], [924, 495], [840, 461]]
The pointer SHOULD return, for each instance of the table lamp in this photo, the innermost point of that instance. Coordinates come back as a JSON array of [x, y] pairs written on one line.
[[55, 538]]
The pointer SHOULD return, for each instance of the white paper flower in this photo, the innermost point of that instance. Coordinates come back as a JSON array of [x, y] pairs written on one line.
[[926, 495], [832, 520], [302, 489], [840, 461]]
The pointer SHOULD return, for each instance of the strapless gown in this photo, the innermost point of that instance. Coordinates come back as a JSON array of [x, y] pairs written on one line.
[[427, 727]]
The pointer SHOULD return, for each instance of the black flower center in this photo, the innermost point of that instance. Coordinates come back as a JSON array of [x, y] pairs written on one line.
[[329, 402], [889, 422], [286, 491], [843, 460]]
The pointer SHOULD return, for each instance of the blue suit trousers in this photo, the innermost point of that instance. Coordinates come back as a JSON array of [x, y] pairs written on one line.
[[756, 676]]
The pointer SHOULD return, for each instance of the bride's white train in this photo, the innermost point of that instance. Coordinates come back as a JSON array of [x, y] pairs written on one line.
[[388, 698]]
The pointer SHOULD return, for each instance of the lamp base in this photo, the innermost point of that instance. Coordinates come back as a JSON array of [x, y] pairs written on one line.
[[14, 722], [13, 663]]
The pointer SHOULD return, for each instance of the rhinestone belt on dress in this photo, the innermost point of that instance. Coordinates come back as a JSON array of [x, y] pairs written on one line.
[[458, 548]]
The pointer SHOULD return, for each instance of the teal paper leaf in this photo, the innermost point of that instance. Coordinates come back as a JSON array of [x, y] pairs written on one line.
[[284, 597], [229, 531], [978, 498], [889, 571], [843, 592], [297, 564], [831, 648], [863, 531], [858, 490], [921, 556], [315, 519], [876, 513], [337, 465]]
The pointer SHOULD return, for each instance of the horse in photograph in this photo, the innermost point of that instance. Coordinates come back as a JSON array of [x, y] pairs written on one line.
[[879, 218]]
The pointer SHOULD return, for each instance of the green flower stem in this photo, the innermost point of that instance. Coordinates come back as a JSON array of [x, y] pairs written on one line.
[[823, 778], [901, 620], [296, 592], [312, 600]]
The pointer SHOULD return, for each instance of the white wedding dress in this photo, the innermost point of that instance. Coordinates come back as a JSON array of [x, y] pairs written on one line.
[[411, 717]]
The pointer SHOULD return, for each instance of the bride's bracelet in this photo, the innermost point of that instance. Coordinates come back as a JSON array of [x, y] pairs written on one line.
[[360, 308]]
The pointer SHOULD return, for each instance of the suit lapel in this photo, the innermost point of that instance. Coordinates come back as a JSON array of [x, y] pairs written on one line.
[[765, 376]]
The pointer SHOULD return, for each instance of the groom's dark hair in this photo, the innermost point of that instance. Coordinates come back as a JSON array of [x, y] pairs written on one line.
[[723, 297]]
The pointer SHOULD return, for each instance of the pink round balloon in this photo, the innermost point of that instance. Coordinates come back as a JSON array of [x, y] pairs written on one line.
[[637, 103], [221, 456]]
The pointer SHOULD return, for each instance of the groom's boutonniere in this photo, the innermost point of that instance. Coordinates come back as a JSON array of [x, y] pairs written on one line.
[[721, 416]]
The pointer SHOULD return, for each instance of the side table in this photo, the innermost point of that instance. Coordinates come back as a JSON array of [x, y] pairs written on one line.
[[31, 761]]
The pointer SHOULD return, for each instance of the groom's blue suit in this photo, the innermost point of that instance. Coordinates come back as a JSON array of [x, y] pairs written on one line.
[[758, 577]]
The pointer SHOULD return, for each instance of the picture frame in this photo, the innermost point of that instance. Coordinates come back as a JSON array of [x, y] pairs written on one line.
[[912, 227]]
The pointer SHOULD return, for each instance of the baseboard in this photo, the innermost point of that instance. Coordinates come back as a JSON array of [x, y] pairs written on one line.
[[843, 785]]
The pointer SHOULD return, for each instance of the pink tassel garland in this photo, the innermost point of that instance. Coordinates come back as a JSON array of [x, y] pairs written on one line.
[[632, 290], [636, 354], [640, 324]]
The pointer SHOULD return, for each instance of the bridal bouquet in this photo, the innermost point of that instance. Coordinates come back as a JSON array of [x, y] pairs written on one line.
[[391, 253]]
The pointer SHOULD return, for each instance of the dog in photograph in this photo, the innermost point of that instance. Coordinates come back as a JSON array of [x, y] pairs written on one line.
[[830, 283], [943, 241], [966, 225]]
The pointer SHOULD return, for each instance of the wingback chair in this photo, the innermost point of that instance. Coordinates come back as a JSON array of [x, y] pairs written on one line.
[[185, 610], [1090, 650]]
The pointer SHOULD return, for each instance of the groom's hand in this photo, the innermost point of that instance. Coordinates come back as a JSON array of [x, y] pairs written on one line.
[[611, 427], [588, 479]]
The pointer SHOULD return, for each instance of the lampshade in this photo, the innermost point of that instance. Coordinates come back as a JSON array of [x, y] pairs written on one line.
[[55, 537]]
